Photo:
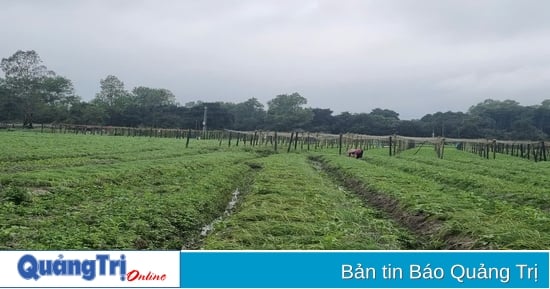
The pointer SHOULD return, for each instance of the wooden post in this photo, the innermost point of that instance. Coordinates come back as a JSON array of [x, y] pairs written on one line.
[[229, 143], [494, 149], [295, 140], [442, 147], [390, 145], [290, 142], [521, 150], [340, 145], [275, 141], [308, 141], [188, 136], [543, 148]]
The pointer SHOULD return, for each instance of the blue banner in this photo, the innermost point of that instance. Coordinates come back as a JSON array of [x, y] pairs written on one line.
[[364, 269]]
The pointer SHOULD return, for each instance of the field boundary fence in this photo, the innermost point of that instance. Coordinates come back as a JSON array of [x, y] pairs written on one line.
[[304, 140]]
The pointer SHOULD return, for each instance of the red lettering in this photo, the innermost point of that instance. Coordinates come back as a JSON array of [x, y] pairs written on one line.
[[135, 275], [132, 275]]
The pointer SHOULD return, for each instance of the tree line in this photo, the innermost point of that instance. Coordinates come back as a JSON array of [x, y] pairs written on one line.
[[30, 93]]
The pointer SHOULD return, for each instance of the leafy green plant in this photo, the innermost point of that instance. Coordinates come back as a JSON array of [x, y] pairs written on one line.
[[16, 195]]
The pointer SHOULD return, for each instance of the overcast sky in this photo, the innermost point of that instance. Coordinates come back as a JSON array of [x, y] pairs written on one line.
[[414, 57]]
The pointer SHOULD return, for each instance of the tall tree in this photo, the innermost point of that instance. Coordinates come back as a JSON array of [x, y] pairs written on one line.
[[504, 113], [34, 91], [386, 113], [58, 90], [149, 102], [24, 74], [448, 124], [114, 99], [151, 97], [542, 116], [112, 91], [322, 120], [87, 113], [10, 108], [248, 115], [286, 112]]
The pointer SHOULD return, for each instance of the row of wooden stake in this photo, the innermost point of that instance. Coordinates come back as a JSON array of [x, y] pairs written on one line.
[[536, 151]]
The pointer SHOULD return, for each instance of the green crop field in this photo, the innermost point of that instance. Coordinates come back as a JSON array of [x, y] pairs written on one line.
[[67, 191]]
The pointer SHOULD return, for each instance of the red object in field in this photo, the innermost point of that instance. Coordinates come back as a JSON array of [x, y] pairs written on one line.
[[357, 153]]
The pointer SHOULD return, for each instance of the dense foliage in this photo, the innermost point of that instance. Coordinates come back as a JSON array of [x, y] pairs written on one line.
[[30, 93]]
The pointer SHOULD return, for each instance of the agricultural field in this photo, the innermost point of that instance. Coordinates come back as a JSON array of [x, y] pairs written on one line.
[[460, 202], [67, 191]]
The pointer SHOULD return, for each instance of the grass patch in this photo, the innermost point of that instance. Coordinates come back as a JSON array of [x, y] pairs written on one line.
[[291, 205]]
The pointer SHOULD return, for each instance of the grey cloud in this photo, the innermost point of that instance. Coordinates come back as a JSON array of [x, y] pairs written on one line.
[[415, 57]]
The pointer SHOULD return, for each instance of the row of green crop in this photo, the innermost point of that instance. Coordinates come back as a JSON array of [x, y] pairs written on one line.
[[98, 192], [59, 151], [141, 200], [292, 205], [29, 146], [529, 191], [459, 217], [504, 167]]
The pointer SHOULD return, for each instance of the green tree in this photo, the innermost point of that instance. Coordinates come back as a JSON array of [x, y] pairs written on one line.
[[382, 122], [413, 128], [114, 99], [509, 120], [112, 91], [149, 102], [248, 115], [31, 88], [504, 113], [151, 97], [58, 90], [58, 97], [23, 74], [286, 112], [87, 113], [542, 117], [385, 113], [448, 124], [10, 108], [322, 120], [218, 116]]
